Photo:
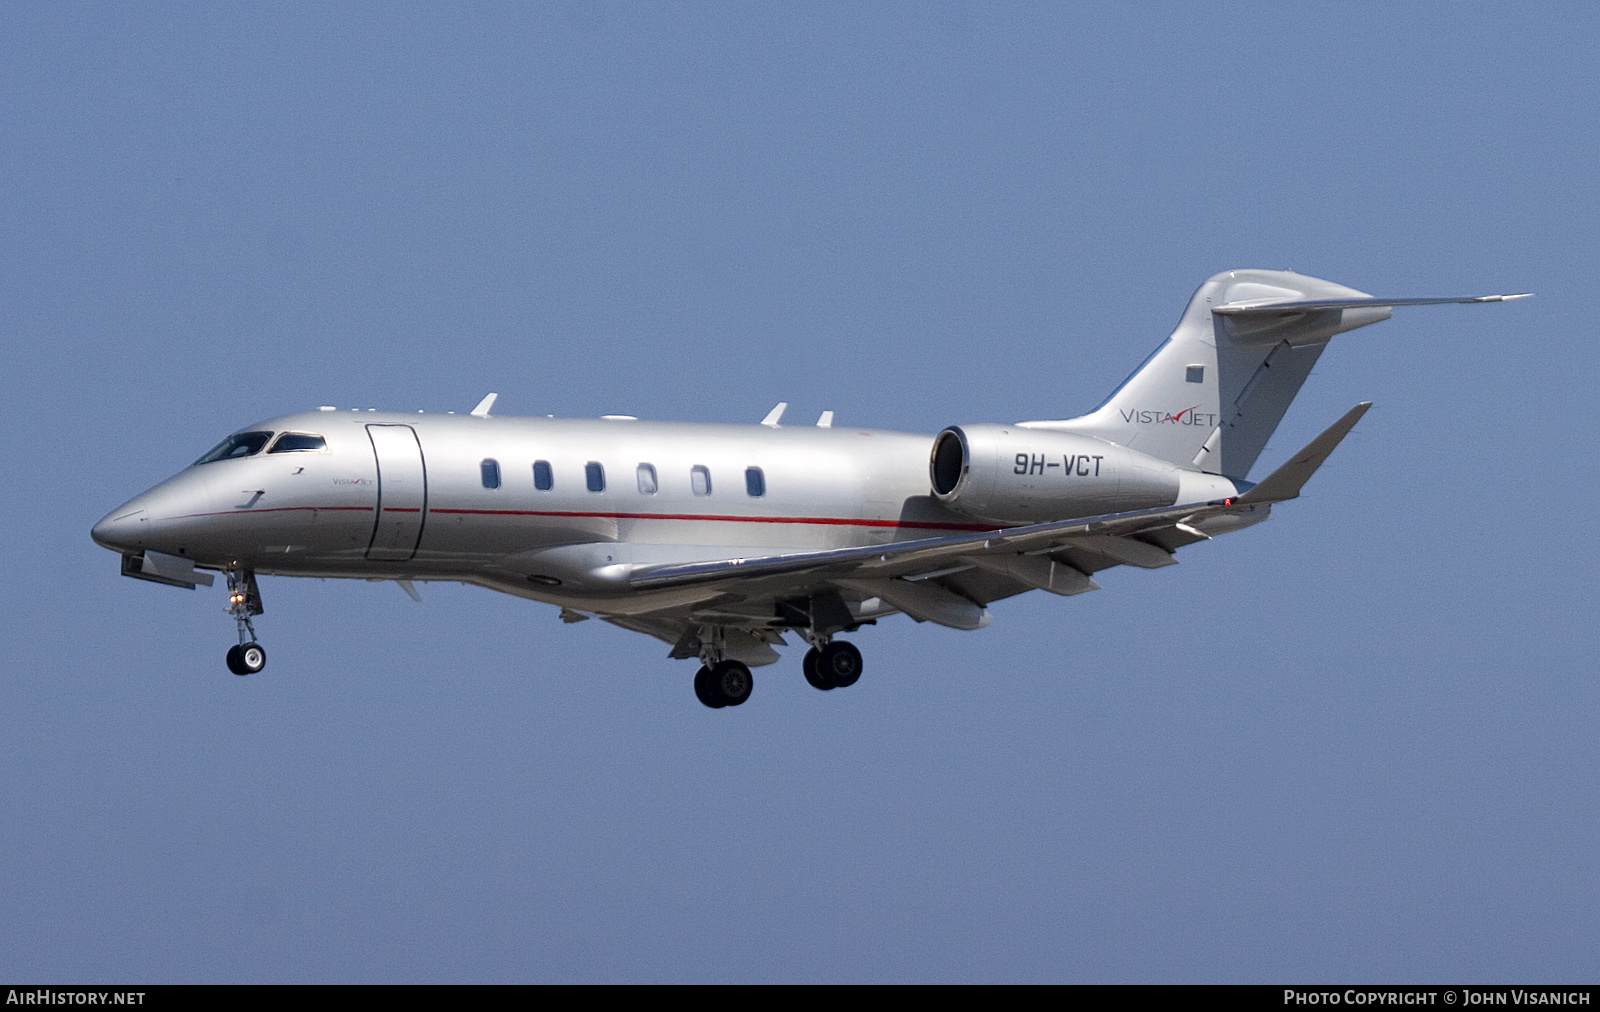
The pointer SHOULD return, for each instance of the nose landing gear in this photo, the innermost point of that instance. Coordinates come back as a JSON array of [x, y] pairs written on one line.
[[244, 600]]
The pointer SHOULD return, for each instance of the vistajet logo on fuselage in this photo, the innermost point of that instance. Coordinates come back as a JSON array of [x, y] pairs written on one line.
[[1187, 416]]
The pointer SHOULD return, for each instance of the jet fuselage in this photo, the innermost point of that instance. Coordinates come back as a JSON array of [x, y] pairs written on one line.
[[459, 497]]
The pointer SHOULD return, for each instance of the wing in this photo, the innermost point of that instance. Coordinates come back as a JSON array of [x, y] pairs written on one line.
[[1285, 483], [904, 558], [950, 579]]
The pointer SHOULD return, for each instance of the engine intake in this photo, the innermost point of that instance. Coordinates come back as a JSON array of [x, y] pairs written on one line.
[[949, 464]]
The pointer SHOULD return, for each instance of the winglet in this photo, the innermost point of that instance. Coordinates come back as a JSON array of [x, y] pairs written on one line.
[[482, 410], [1286, 482], [771, 421]]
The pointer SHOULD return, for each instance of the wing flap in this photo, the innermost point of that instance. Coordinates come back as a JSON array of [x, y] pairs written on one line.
[[925, 602], [1127, 551], [1037, 572]]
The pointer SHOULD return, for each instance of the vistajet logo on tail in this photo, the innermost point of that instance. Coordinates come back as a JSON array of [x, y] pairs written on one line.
[[1188, 416]]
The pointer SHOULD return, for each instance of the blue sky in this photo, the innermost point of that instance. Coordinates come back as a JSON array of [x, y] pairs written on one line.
[[1355, 743]]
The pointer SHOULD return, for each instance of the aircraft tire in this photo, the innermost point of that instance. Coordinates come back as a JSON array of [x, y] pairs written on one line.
[[814, 674], [732, 681], [705, 691], [234, 664], [840, 663], [252, 658]]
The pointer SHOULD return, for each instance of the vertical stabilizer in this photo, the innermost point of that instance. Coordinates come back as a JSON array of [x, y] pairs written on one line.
[[1213, 393]]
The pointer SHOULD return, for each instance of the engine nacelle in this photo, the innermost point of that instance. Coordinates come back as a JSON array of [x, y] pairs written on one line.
[[1015, 475]]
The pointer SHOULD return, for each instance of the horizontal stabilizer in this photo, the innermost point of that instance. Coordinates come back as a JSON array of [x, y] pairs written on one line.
[[1268, 307], [1288, 479], [1245, 344]]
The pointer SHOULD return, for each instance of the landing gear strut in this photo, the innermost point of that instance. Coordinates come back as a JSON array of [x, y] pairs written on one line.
[[244, 600], [836, 664]]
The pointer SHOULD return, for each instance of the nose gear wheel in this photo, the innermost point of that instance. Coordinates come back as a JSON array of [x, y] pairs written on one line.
[[247, 658]]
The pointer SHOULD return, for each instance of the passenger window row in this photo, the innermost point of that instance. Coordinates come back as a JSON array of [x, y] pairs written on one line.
[[594, 478]]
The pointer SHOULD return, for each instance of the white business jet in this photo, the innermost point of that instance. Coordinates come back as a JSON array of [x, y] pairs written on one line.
[[722, 540]]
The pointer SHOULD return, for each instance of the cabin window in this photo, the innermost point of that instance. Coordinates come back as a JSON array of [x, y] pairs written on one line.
[[594, 474], [543, 478], [647, 479], [700, 479], [490, 469], [299, 442], [240, 444], [755, 483]]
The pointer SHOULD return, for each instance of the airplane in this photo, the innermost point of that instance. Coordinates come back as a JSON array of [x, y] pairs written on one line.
[[722, 540]]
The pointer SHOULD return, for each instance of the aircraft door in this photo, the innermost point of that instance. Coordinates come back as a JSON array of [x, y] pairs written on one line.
[[402, 492]]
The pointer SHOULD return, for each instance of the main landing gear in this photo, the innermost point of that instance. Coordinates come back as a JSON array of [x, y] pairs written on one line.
[[244, 600], [835, 664], [724, 683], [828, 664], [720, 681]]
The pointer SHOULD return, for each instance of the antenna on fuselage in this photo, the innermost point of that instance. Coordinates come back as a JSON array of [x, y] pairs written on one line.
[[771, 421], [826, 420], [482, 410]]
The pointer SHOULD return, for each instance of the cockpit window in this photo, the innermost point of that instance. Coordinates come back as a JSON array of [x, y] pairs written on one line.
[[240, 444], [299, 442]]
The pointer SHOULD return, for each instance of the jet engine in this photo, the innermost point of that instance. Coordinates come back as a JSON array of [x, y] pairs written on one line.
[[1014, 475]]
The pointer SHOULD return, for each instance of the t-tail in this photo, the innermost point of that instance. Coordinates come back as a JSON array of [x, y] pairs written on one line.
[[1210, 397]]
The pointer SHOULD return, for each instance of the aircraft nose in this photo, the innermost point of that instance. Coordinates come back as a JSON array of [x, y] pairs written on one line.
[[121, 529], [168, 518]]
